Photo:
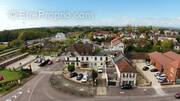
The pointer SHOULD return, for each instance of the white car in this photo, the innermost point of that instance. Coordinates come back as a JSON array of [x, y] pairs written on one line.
[[99, 70], [84, 79]]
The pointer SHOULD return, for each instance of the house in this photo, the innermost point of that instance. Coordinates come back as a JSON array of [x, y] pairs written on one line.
[[59, 37], [82, 48], [167, 63], [94, 62], [142, 36], [101, 35], [126, 74], [176, 46], [117, 45], [82, 55]]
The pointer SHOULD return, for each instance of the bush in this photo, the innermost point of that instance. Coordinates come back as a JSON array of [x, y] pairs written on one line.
[[71, 68]]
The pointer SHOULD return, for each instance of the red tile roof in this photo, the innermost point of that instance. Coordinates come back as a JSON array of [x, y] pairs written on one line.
[[168, 58], [115, 41], [125, 66]]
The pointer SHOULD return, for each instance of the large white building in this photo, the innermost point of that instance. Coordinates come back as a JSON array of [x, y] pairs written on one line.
[[87, 61]]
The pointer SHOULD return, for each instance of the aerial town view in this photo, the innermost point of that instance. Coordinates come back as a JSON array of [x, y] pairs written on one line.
[[89, 50]]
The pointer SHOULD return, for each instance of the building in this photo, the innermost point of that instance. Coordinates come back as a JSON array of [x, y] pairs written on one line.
[[101, 35], [167, 63], [126, 74], [94, 62], [59, 37], [117, 45]]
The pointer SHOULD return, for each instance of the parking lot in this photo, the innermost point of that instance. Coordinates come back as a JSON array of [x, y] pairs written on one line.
[[150, 76]]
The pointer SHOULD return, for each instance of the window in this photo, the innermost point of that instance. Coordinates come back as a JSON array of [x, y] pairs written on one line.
[[101, 63], [76, 58], [95, 64], [130, 75], [106, 58], [101, 58], [67, 58], [77, 63], [95, 58], [82, 58], [87, 58]]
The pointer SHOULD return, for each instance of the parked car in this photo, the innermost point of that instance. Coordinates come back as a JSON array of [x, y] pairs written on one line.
[[157, 74], [44, 62], [50, 62], [84, 79], [58, 60], [73, 74], [161, 77], [126, 86], [154, 70], [99, 70], [162, 80], [79, 77], [177, 95], [148, 64], [145, 68]]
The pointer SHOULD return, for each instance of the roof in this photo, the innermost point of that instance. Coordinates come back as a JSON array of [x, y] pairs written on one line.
[[168, 58], [82, 48], [101, 32], [125, 66], [162, 59], [172, 55], [115, 41]]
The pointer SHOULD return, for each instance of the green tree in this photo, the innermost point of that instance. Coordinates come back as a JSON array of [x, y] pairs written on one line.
[[166, 45], [71, 67], [94, 75]]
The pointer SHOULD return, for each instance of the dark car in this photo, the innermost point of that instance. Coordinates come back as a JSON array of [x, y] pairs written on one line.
[[79, 77], [154, 70], [145, 68], [127, 86], [44, 63], [73, 74], [177, 95]]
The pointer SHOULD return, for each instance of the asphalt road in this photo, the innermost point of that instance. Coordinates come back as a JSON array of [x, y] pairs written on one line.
[[39, 89]]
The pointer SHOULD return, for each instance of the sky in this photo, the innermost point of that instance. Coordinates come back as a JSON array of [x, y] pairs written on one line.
[[42, 13]]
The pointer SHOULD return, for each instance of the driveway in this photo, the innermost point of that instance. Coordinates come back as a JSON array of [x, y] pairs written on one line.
[[150, 76]]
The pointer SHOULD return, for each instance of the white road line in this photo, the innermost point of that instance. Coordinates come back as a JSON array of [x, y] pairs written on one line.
[[36, 83]]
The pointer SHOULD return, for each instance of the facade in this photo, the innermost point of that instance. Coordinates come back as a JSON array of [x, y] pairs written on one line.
[[126, 74], [167, 63], [59, 37], [101, 35], [87, 61], [117, 45]]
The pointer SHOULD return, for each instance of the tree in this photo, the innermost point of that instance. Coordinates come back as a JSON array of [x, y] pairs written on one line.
[[166, 45], [71, 67], [178, 39], [94, 75]]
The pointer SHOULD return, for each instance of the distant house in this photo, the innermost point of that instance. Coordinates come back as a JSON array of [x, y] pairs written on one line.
[[176, 46], [142, 36], [59, 37], [101, 35], [117, 45], [167, 63]]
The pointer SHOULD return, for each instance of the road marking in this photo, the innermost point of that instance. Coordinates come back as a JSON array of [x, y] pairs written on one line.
[[36, 83]]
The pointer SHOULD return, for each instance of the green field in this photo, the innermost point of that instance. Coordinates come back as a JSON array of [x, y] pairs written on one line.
[[9, 75]]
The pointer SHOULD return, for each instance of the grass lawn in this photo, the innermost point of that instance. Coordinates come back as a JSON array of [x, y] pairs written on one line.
[[9, 75]]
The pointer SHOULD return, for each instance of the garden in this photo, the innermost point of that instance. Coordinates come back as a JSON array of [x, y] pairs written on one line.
[[11, 78]]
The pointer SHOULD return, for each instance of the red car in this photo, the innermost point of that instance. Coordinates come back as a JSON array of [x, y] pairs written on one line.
[[1, 78], [50, 62], [177, 95]]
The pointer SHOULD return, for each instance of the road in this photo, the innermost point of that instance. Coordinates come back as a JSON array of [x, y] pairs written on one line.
[[39, 89]]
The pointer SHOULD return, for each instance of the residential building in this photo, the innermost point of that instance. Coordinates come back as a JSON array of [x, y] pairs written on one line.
[[167, 63], [126, 74], [117, 45]]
